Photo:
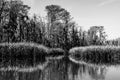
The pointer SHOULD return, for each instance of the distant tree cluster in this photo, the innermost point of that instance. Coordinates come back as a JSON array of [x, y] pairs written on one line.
[[58, 30], [114, 42]]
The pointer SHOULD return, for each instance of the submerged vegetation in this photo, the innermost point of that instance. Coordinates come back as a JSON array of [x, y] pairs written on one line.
[[96, 54]]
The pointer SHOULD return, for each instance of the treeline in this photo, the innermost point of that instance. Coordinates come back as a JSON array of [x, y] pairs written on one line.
[[57, 30], [115, 42]]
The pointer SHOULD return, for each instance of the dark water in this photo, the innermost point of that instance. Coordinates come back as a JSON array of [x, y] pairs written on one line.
[[64, 69]]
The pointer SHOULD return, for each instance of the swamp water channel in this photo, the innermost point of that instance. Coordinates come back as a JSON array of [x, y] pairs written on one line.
[[62, 69]]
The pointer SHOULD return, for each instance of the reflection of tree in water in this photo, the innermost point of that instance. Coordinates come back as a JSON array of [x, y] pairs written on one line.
[[97, 73], [61, 69], [73, 70], [35, 75], [84, 72], [56, 70]]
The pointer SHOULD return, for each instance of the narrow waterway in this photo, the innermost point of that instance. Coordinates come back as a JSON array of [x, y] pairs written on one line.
[[62, 69]]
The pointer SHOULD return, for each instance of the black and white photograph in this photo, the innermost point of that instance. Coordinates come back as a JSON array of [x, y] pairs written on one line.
[[59, 40]]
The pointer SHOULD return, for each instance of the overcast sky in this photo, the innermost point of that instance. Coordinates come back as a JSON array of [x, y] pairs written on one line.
[[86, 13]]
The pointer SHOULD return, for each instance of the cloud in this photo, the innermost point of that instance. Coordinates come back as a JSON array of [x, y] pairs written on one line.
[[106, 2], [29, 2]]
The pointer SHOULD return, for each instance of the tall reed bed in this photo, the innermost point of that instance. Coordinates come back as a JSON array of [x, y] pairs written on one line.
[[21, 53], [55, 52], [96, 54]]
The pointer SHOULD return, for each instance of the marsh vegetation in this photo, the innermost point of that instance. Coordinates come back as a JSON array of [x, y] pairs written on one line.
[[97, 54], [26, 54], [21, 54]]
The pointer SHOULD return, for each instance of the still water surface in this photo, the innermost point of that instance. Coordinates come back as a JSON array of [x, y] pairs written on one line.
[[64, 69]]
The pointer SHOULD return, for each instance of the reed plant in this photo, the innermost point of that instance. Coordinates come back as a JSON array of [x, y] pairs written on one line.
[[21, 53], [55, 52], [96, 54]]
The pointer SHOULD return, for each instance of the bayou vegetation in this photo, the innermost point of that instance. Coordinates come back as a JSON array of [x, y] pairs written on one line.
[[13, 54], [96, 54], [55, 30]]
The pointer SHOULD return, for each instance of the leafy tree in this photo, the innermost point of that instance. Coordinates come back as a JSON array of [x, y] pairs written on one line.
[[96, 35], [16, 15], [75, 39], [3, 17], [3, 10], [56, 14]]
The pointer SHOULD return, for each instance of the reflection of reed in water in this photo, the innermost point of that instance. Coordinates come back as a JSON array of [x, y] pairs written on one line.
[[85, 72], [54, 70], [25, 69], [32, 73], [35, 75], [8, 75], [20, 63], [13, 75], [60, 69]]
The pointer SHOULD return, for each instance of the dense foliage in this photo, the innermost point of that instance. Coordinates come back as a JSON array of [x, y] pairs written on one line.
[[57, 31]]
